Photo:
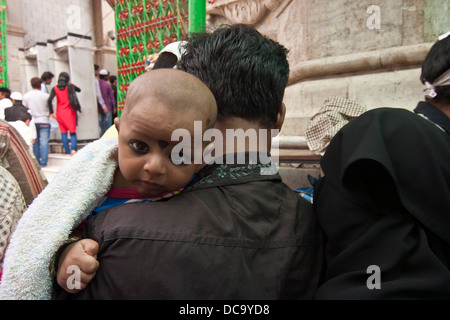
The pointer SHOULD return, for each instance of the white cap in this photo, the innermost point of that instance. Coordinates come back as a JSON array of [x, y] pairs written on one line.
[[177, 48], [16, 95], [103, 72]]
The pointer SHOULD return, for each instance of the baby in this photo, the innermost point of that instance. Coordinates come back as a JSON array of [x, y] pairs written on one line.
[[158, 102]]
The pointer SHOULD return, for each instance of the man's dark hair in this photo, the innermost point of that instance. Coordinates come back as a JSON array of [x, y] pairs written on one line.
[[165, 60], [435, 64], [35, 83], [47, 75], [16, 113], [6, 91], [246, 71], [96, 67]]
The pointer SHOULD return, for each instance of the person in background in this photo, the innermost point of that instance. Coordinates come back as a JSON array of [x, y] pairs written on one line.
[[5, 101], [105, 118], [113, 81], [101, 106], [65, 114], [384, 200], [19, 117], [36, 101], [17, 98], [47, 78]]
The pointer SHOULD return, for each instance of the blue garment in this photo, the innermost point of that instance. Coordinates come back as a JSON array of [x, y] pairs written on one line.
[[104, 122], [307, 193], [65, 141], [40, 146]]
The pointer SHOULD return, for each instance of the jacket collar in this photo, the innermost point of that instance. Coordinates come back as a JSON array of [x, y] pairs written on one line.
[[434, 115], [246, 167]]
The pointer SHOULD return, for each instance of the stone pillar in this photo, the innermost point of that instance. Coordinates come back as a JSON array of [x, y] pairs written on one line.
[[74, 54], [81, 63]]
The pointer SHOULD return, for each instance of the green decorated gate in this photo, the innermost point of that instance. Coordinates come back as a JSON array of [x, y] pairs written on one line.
[[143, 28], [3, 47]]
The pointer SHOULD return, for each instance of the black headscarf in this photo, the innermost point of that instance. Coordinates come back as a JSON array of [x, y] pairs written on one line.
[[63, 80], [385, 201]]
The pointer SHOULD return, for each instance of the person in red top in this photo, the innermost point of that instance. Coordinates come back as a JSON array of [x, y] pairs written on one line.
[[66, 115]]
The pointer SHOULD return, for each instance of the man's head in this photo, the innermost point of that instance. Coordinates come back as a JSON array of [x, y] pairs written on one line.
[[96, 69], [246, 71], [36, 83], [47, 77], [103, 74], [435, 65], [157, 103], [4, 93]]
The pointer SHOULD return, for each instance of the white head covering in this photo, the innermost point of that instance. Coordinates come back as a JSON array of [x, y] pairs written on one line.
[[443, 80], [177, 48], [335, 113]]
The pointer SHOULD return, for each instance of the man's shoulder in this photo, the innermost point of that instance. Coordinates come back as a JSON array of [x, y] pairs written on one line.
[[35, 93]]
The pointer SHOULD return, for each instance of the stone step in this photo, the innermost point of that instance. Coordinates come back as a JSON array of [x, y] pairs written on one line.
[[50, 172], [58, 159], [55, 162]]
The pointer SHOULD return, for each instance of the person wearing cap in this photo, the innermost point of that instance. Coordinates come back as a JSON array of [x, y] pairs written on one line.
[[11, 113], [19, 117], [384, 200], [105, 118]]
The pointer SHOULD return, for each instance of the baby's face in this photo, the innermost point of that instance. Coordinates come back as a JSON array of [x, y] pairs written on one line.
[[145, 147]]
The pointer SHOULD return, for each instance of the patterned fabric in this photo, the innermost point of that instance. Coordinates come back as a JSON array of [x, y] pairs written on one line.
[[331, 117], [234, 172], [17, 158], [12, 206]]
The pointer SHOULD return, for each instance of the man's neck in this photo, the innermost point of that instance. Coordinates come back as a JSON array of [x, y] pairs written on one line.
[[240, 135], [445, 108]]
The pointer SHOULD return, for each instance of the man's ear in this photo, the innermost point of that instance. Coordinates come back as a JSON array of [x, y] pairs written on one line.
[[281, 116], [116, 123]]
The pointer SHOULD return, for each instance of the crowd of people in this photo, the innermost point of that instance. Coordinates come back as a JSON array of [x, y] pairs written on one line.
[[34, 114], [140, 220]]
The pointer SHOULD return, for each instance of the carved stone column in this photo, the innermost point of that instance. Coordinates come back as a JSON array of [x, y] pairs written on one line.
[[242, 11]]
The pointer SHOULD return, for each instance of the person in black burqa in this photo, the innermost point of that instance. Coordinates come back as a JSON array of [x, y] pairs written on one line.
[[384, 202]]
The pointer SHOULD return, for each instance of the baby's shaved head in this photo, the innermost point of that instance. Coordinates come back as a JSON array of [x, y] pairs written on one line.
[[177, 89]]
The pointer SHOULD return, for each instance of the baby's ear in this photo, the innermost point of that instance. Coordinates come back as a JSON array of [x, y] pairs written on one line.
[[116, 123]]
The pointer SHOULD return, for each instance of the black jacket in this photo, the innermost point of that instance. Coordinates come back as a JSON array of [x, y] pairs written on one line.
[[232, 234]]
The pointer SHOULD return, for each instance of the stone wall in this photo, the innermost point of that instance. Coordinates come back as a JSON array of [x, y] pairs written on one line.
[[369, 51], [365, 50]]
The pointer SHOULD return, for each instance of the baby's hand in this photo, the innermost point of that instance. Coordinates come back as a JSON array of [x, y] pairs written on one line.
[[81, 255]]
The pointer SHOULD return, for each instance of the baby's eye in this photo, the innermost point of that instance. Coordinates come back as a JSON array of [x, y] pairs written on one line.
[[139, 146]]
